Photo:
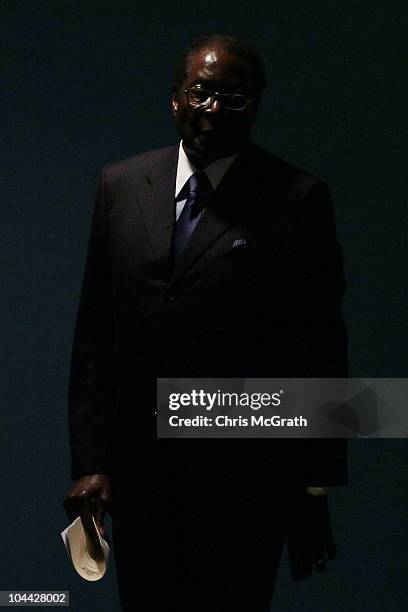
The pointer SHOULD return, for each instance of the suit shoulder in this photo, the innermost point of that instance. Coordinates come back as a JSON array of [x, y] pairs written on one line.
[[288, 176], [136, 167]]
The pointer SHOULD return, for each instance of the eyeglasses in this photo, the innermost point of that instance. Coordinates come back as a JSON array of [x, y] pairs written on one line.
[[198, 97]]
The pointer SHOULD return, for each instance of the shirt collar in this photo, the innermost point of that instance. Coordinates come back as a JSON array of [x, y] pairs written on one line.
[[215, 171]]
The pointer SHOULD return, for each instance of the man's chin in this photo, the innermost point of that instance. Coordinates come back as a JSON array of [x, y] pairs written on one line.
[[205, 149]]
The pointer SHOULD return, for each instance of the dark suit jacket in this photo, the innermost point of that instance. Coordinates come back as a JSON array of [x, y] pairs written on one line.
[[267, 308]]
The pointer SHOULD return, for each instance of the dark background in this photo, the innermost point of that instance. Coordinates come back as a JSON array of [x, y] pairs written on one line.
[[87, 83]]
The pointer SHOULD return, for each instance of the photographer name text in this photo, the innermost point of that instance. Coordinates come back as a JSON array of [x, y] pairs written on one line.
[[226, 421]]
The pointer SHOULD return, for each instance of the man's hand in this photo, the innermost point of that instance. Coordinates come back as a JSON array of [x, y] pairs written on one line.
[[89, 496], [309, 534]]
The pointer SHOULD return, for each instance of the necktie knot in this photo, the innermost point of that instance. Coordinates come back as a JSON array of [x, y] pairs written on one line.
[[199, 193], [198, 185]]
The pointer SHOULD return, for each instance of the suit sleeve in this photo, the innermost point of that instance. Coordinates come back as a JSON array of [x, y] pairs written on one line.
[[317, 346], [93, 380]]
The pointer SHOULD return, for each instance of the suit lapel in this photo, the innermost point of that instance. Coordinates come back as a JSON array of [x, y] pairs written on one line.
[[210, 229], [156, 199]]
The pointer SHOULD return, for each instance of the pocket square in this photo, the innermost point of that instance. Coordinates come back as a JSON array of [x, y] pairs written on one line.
[[239, 242]]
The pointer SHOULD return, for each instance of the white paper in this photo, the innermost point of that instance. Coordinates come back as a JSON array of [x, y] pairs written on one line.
[[89, 557]]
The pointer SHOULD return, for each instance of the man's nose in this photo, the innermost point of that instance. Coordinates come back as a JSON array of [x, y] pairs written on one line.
[[214, 107]]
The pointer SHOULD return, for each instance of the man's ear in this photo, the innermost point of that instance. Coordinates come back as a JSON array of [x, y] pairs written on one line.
[[174, 103]]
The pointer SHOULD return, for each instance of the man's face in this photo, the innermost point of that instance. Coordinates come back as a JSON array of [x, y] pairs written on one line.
[[212, 132]]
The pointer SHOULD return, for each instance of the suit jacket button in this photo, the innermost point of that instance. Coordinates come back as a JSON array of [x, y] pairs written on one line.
[[170, 298]]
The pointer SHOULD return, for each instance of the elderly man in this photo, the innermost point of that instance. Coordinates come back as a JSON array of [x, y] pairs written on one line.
[[213, 258]]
